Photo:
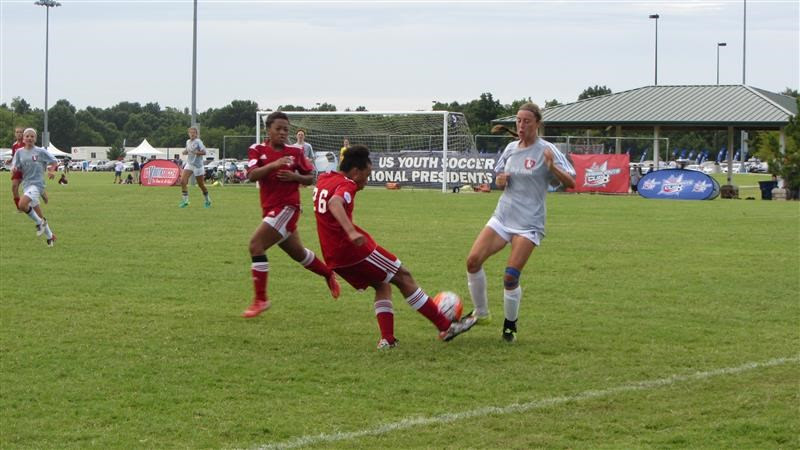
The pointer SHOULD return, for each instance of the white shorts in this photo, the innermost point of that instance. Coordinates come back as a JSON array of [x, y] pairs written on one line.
[[283, 220], [196, 171], [506, 233], [33, 193]]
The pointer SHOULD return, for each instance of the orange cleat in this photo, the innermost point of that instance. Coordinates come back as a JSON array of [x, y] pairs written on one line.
[[256, 308], [333, 285]]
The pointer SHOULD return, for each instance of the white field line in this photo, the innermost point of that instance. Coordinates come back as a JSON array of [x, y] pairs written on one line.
[[521, 407]]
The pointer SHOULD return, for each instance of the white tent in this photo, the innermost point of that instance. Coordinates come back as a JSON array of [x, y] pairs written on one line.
[[53, 150], [144, 149]]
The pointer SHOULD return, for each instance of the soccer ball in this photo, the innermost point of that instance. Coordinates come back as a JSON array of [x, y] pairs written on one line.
[[449, 304]]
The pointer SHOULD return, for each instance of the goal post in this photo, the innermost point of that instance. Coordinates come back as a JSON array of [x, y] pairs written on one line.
[[441, 133]]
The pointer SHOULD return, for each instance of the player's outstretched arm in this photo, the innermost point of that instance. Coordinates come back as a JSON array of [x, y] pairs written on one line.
[[336, 208], [565, 178]]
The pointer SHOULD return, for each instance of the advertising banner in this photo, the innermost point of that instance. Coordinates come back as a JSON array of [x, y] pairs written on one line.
[[424, 169], [160, 172], [678, 184], [601, 173]]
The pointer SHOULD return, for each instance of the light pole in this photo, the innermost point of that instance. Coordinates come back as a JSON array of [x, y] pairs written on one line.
[[656, 16], [719, 44], [194, 68], [47, 4]]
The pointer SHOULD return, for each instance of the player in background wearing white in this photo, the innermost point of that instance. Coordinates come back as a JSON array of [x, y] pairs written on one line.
[[32, 161], [195, 151], [524, 170], [308, 150]]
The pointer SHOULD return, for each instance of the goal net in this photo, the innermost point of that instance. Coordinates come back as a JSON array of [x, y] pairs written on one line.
[[439, 135]]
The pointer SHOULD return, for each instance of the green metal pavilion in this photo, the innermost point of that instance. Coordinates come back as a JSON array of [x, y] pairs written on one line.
[[661, 108]]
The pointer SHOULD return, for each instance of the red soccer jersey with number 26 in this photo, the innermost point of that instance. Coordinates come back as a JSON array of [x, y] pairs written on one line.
[[337, 249]]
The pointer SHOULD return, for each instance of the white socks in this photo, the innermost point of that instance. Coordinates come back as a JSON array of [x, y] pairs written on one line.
[[477, 290], [511, 302], [32, 214]]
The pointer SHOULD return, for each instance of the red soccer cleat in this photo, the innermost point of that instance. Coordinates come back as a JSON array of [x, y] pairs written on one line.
[[333, 285], [256, 308]]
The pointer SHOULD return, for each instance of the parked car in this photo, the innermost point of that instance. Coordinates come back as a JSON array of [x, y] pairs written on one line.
[[95, 165]]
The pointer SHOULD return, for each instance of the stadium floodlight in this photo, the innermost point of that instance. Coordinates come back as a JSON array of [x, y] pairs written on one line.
[[47, 4], [194, 66], [656, 16], [719, 44], [382, 131]]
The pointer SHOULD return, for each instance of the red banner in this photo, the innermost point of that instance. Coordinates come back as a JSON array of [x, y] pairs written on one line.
[[601, 173], [160, 172]]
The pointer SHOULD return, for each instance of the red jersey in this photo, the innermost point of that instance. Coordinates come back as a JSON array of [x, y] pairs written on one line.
[[17, 145], [274, 192], [337, 249]]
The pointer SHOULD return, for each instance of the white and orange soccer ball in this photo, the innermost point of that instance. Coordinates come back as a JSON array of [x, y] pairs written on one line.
[[449, 304]]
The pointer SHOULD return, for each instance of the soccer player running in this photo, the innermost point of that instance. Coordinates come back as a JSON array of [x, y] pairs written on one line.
[[32, 161], [524, 170], [16, 176], [195, 151], [279, 169], [354, 255]]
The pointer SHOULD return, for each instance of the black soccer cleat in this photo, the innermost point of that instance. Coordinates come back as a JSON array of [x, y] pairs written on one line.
[[510, 330]]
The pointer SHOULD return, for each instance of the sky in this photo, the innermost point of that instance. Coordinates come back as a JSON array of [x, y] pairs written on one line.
[[385, 55]]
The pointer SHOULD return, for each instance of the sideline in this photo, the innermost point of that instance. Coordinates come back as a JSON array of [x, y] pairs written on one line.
[[521, 407]]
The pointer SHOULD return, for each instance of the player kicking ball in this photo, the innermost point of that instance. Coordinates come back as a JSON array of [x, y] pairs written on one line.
[[279, 170], [354, 255]]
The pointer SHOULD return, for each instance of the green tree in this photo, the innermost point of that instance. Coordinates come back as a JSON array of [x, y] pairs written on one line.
[[62, 124], [20, 106], [238, 112], [551, 103], [791, 92], [785, 165], [594, 91], [116, 152]]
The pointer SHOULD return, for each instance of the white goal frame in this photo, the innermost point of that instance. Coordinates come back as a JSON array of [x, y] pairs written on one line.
[[445, 120]]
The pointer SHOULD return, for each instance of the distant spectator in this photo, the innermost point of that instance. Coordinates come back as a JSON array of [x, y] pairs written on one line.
[[307, 149], [345, 144], [636, 175], [119, 166], [63, 179], [177, 161], [136, 168], [128, 180]]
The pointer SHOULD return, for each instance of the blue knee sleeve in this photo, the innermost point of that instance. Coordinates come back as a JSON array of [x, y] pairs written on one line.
[[511, 280]]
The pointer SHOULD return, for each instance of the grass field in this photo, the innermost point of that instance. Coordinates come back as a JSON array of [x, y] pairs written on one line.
[[644, 323]]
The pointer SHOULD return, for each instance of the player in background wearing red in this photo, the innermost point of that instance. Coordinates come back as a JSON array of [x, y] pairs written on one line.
[[279, 170], [16, 175], [354, 255]]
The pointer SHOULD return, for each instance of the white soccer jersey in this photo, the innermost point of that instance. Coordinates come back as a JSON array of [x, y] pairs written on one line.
[[33, 164], [192, 147], [522, 205]]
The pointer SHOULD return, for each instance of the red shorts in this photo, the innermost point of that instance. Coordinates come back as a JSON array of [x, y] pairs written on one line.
[[379, 267], [283, 219], [16, 174]]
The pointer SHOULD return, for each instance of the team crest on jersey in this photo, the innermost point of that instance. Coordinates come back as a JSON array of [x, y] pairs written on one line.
[[34, 157], [530, 163]]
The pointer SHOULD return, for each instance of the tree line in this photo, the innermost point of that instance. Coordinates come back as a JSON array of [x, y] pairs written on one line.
[[131, 122]]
